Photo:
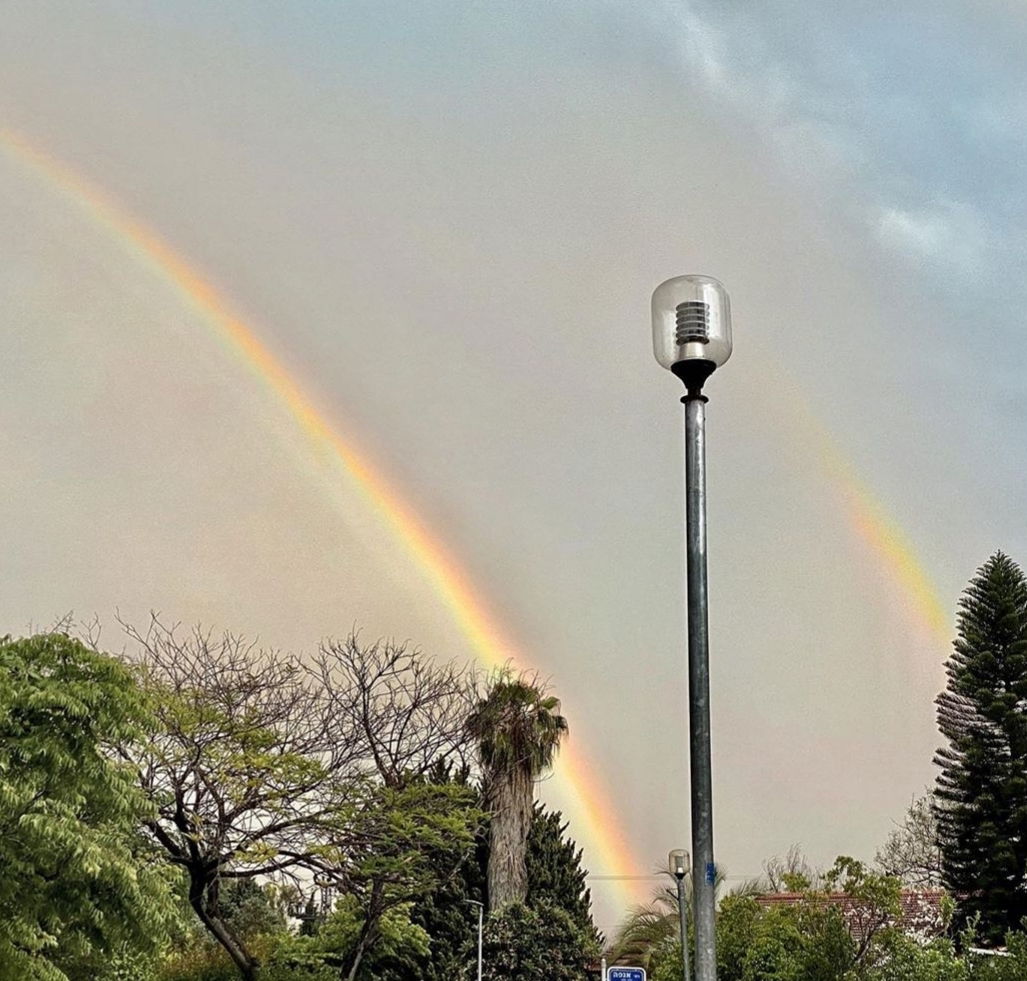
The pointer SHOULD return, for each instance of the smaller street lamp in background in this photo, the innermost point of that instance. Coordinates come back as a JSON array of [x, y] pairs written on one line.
[[679, 868], [481, 917]]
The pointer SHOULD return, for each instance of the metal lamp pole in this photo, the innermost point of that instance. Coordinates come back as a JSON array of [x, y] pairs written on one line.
[[692, 337], [679, 868], [481, 916]]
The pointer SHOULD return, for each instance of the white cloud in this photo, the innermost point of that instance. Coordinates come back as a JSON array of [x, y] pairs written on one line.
[[951, 233]]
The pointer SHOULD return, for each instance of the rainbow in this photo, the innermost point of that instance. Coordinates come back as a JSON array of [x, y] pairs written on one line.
[[895, 552], [603, 836], [868, 517]]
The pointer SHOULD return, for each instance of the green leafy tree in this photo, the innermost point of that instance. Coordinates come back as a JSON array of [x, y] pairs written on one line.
[[981, 795], [518, 728], [401, 945], [540, 943], [911, 960], [805, 942], [76, 883], [555, 878], [395, 849]]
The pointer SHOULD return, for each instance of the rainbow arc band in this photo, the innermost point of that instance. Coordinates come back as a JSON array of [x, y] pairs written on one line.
[[593, 812]]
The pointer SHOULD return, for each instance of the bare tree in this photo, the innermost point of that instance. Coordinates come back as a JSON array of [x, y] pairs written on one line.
[[791, 872], [247, 759], [408, 711], [413, 827], [911, 853]]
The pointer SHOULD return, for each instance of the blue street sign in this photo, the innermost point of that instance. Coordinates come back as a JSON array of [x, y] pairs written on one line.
[[625, 974]]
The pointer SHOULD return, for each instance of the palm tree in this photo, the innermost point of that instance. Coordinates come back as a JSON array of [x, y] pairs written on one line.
[[518, 728], [656, 926], [647, 929]]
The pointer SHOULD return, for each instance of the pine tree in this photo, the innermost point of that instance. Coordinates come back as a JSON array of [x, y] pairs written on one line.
[[981, 791], [555, 874]]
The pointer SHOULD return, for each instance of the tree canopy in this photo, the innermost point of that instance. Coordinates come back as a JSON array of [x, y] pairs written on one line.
[[981, 795], [78, 881]]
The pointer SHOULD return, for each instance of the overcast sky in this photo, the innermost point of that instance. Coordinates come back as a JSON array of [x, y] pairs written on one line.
[[446, 219]]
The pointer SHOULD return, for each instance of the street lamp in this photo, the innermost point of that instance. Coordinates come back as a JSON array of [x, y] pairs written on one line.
[[678, 862], [692, 337], [481, 916]]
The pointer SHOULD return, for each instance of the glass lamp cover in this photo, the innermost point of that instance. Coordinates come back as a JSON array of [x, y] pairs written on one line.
[[691, 321], [678, 861]]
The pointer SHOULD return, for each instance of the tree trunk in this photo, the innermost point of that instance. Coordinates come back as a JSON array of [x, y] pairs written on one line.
[[368, 932], [241, 957], [510, 803]]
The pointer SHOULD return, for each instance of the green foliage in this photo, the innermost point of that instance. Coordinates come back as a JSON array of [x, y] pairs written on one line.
[[518, 728], [450, 918], [75, 886], [982, 787], [399, 846], [555, 874], [812, 939], [252, 910], [541, 943], [555, 878], [808, 942], [400, 946], [909, 960]]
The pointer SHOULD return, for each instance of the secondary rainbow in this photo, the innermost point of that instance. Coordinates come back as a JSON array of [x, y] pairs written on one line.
[[870, 521], [595, 816]]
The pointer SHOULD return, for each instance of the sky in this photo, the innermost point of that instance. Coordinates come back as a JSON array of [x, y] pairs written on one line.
[[443, 221]]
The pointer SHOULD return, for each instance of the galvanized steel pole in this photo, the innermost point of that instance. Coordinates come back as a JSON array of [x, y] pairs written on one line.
[[683, 915], [703, 867]]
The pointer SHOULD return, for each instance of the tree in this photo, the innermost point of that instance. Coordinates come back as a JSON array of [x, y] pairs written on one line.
[[408, 712], [448, 912], [649, 934], [518, 729], [244, 761], [981, 794], [911, 853], [394, 850], [540, 943], [649, 929], [808, 941], [77, 884], [400, 947], [418, 816], [553, 865], [842, 928]]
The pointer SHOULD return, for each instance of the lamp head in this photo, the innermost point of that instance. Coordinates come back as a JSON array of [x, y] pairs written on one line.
[[692, 327], [677, 862]]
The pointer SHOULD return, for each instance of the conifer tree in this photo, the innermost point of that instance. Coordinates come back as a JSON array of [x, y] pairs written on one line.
[[555, 873], [981, 796]]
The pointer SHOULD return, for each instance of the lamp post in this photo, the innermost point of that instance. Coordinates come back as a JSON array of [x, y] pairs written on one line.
[[692, 338], [679, 868], [481, 916]]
